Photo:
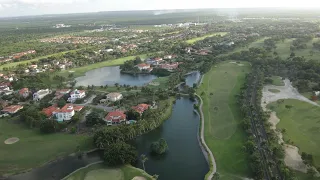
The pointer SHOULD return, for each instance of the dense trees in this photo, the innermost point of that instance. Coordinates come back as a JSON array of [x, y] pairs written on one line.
[[93, 119], [159, 147], [119, 153], [49, 126]]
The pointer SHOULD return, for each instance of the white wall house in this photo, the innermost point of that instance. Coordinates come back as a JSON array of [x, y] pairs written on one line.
[[143, 66], [40, 94], [114, 96], [77, 94], [64, 114]]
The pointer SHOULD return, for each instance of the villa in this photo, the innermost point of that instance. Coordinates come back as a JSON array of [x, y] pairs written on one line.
[[77, 94], [40, 94], [143, 66], [61, 92], [24, 92], [12, 109], [169, 66], [115, 117], [114, 97], [63, 114], [140, 108]]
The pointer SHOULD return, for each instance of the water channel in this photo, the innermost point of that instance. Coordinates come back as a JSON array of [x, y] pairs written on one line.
[[111, 75], [184, 159]]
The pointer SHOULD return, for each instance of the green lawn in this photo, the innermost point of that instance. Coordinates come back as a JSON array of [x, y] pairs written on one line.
[[304, 176], [80, 71], [277, 80], [34, 149], [162, 81], [8, 65], [102, 172], [302, 124], [192, 41], [222, 117]]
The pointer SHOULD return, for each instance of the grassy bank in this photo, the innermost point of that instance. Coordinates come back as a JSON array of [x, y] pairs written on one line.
[[222, 132], [34, 149], [193, 40], [302, 125], [9, 65], [102, 172], [80, 71]]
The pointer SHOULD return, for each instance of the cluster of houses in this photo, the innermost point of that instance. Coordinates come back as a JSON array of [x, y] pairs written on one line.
[[159, 63], [62, 114], [75, 40], [16, 56]]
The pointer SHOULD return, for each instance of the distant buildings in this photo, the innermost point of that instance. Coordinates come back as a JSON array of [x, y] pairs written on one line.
[[61, 92], [170, 67], [143, 66], [114, 97], [40, 94]]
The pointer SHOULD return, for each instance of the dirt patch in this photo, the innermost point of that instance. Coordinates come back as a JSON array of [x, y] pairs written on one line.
[[11, 140], [293, 158], [139, 178]]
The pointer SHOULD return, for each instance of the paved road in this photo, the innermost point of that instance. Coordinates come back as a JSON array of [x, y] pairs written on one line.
[[214, 165]]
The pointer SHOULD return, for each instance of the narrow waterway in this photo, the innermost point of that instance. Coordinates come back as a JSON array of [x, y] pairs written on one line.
[[184, 159]]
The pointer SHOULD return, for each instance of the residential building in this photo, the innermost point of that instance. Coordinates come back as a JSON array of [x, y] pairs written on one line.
[[114, 96], [40, 94], [169, 67], [77, 94], [143, 66], [24, 92], [115, 117], [12, 109], [63, 114], [61, 92], [3, 103], [140, 108]]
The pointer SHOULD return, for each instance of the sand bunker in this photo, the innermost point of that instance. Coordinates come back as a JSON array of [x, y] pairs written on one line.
[[139, 178], [11, 140], [292, 157]]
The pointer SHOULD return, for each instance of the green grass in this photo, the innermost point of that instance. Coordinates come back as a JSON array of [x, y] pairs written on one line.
[[309, 95], [222, 118], [274, 90], [192, 41], [34, 149], [277, 81], [302, 124], [283, 49], [102, 172], [163, 83], [80, 71], [14, 64], [304, 176]]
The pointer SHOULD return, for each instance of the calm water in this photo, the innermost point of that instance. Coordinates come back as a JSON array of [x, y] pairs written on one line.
[[192, 78], [111, 75], [184, 159]]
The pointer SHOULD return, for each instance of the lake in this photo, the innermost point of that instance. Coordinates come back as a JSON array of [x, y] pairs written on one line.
[[184, 159], [111, 75], [192, 77]]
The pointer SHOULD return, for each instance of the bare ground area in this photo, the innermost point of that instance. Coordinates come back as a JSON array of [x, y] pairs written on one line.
[[292, 157]]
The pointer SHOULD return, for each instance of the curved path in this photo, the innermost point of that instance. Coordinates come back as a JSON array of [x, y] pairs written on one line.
[[214, 166]]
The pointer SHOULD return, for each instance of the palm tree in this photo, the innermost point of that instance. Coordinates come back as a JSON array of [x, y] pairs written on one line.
[[143, 159]]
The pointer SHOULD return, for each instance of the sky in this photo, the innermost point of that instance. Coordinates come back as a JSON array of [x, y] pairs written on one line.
[[37, 7]]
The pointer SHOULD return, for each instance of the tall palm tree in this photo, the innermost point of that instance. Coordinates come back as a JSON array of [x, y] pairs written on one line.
[[143, 159]]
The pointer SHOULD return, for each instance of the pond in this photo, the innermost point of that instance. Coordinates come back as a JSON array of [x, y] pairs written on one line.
[[184, 159], [111, 75]]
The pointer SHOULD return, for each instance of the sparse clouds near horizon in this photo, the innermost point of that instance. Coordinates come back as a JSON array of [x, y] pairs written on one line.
[[34, 7]]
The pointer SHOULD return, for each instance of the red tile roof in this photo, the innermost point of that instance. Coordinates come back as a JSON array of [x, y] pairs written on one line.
[[140, 108], [23, 90], [12, 109], [49, 110], [67, 108], [143, 65], [116, 116]]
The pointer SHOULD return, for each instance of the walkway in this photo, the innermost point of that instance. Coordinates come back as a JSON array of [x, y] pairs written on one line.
[[214, 166]]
